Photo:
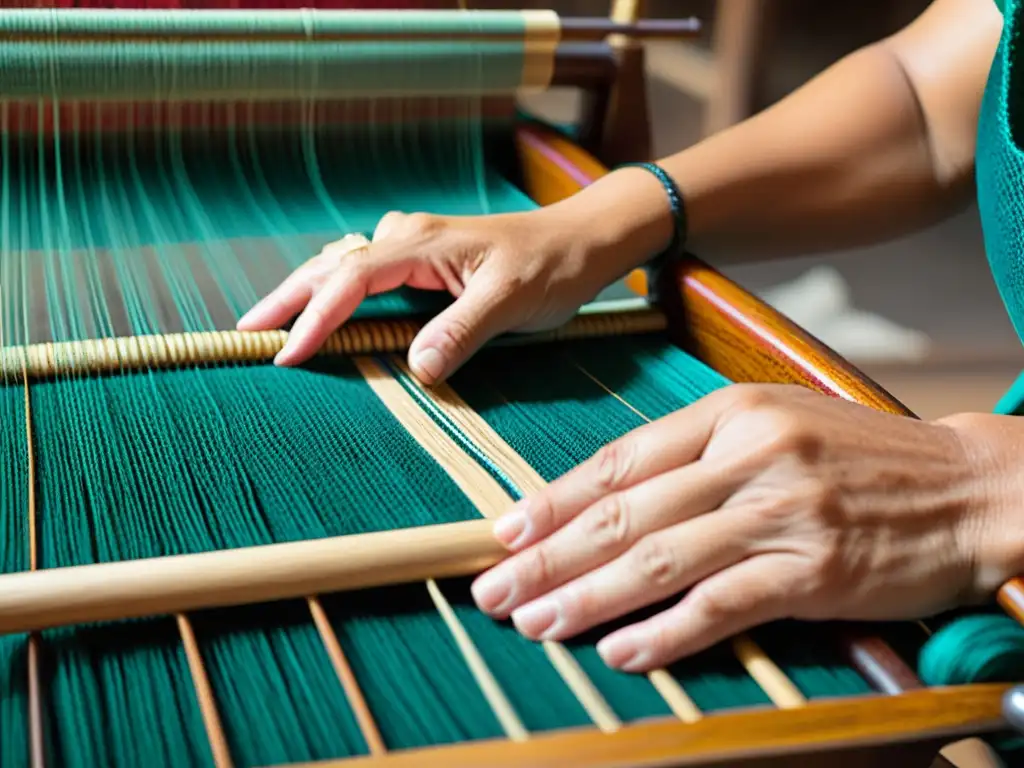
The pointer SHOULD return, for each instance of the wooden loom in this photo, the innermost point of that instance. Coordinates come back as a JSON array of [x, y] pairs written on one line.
[[702, 312]]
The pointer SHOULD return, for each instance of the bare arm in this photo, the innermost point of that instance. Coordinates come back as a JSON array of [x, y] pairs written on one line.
[[878, 145]]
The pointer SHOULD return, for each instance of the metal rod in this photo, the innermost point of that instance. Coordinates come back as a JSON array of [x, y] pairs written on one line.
[[582, 29], [191, 26]]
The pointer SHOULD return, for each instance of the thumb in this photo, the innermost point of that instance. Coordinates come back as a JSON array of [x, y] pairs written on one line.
[[483, 311]]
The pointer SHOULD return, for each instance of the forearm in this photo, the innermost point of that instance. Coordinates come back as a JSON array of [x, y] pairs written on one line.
[[878, 145]]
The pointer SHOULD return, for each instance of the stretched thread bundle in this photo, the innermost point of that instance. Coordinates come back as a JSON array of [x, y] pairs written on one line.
[[292, 55]]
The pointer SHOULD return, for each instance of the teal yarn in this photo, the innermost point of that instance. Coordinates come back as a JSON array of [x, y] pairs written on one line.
[[980, 648], [983, 648]]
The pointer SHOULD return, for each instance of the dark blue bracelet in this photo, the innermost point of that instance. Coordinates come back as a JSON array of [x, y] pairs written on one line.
[[675, 201]]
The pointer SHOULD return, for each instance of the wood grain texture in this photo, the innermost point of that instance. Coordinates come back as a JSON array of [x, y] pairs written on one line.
[[828, 728], [748, 341]]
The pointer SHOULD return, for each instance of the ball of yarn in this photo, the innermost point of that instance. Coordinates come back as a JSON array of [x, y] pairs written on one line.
[[983, 648]]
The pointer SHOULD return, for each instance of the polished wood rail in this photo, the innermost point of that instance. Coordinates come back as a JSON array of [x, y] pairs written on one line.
[[825, 734]]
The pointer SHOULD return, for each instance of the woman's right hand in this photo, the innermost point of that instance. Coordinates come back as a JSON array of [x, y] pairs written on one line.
[[511, 272]]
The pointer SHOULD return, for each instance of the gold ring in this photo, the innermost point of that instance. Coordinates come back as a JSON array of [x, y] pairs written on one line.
[[350, 244]]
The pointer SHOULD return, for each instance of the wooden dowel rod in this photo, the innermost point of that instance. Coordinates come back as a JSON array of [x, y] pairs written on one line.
[[219, 748], [1011, 598], [349, 683], [878, 663], [165, 585], [359, 337]]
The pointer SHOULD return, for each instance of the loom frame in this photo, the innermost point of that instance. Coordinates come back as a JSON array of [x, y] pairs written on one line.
[[736, 334]]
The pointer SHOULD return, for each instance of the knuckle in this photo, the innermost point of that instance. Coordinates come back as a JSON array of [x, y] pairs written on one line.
[[420, 223], [609, 523], [800, 439], [579, 604], [751, 397], [808, 500], [654, 563], [782, 432], [539, 568], [388, 222], [541, 514], [455, 336], [615, 464], [715, 604], [660, 643]]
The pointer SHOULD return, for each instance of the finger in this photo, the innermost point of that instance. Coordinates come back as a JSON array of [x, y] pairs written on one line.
[[360, 274], [601, 533], [657, 567], [730, 602], [650, 450], [288, 299], [484, 310]]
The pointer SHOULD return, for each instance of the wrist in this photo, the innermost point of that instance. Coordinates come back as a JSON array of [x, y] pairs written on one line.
[[993, 529], [619, 222]]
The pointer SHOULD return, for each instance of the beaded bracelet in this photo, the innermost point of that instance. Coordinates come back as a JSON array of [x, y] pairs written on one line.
[[675, 201]]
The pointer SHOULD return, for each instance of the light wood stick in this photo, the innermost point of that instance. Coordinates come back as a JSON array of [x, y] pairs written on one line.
[[37, 750], [166, 585], [354, 694], [219, 748]]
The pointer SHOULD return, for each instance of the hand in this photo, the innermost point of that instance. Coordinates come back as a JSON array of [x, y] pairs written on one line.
[[764, 502], [525, 272]]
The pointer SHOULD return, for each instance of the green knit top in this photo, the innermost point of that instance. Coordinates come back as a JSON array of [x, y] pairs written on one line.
[[1000, 180]]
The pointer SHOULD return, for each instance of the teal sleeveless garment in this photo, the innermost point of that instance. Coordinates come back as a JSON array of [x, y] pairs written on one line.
[[1000, 179]]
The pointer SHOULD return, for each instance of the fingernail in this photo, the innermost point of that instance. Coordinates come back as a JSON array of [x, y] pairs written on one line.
[[492, 592], [622, 652], [283, 357], [538, 620], [429, 362], [250, 316], [510, 528]]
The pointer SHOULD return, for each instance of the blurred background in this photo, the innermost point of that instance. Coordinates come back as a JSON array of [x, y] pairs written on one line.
[[921, 315]]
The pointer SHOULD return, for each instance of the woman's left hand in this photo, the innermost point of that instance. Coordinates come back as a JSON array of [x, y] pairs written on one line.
[[760, 503]]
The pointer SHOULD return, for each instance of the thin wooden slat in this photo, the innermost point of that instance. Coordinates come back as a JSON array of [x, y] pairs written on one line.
[[879, 664], [678, 700], [496, 698], [776, 684], [363, 715], [490, 499], [480, 488], [204, 694], [773, 681], [37, 751]]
